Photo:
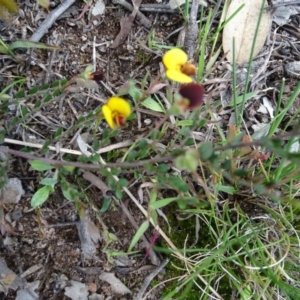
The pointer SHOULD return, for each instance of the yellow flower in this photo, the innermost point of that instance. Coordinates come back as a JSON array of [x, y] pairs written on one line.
[[115, 111], [178, 69]]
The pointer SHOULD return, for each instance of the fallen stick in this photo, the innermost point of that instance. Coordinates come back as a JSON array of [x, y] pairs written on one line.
[[158, 8], [192, 30], [142, 18], [49, 21], [149, 278]]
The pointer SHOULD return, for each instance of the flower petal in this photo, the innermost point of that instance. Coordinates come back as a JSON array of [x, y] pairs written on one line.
[[194, 92], [97, 76], [119, 106], [108, 116], [189, 69], [174, 59], [178, 76]]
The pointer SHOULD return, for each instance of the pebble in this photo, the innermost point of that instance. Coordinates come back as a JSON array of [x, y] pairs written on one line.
[[12, 191], [92, 287], [293, 69], [147, 121]]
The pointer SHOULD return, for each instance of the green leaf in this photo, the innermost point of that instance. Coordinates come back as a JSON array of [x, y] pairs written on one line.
[[123, 182], [126, 88], [178, 184], [3, 50], [44, 3], [239, 99], [24, 111], [33, 90], [56, 92], [41, 196], [163, 168], [95, 158], [14, 121], [49, 181], [45, 148], [4, 97], [47, 98], [58, 132], [225, 188], [2, 137], [181, 204], [152, 105], [135, 93], [45, 86], [119, 194], [142, 144], [28, 44], [163, 203], [20, 94], [206, 151], [187, 123], [240, 172], [96, 145], [105, 205], [37, 104], [138, 234], [189, 161], [69, 168], [88, 70], [68, 192], [246, 293], [40, 165], [153, 196]]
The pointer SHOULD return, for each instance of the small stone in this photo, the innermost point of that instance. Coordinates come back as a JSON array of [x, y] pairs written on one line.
[[96, 297], [129, 47], [12, 191], [92, 287], [293, 69], [147, 121]]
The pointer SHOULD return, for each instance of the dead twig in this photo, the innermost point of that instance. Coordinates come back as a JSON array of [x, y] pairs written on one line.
[[192, 30], [150, 277], [158, 159], [142, 18], [158, 8], [51, 18]]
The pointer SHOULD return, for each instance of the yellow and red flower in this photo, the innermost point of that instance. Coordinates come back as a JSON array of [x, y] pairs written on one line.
[[178, 67], [116, 111], [192, 96]]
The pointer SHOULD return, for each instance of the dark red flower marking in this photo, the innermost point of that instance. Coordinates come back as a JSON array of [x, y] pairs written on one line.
[[97, 76], [192, 95]]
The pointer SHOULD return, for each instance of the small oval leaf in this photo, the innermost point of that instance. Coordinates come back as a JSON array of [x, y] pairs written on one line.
[[41, 196], [138, 235], [40, 165], [152, 105], [49, 181]]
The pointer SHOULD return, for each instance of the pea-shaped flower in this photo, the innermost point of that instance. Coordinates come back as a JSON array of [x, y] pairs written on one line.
[[192, 96], [178, 68], [116, 111]]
